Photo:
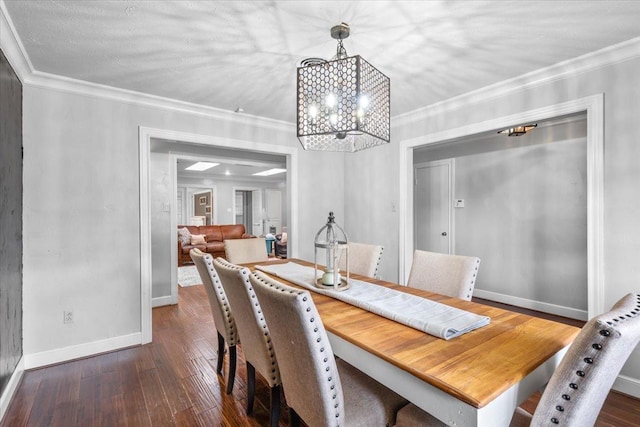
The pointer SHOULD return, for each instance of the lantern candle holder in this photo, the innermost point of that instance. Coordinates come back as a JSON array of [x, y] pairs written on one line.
[[331, 240]]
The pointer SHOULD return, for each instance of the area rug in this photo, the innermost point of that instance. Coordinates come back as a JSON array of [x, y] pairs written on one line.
[[188, 276]]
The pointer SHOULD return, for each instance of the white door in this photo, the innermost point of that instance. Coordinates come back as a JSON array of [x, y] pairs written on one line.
[[273, 209], [433, 199], [257, 213]]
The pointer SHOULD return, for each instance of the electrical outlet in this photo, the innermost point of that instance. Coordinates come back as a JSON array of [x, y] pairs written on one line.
[[67, 317]]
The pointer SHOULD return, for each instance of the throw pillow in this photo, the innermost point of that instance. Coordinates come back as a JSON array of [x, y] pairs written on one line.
[[198, 239], [284, 238], [184, 235]]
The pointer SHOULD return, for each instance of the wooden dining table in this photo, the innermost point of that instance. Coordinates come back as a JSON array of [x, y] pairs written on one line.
[[476, 379]]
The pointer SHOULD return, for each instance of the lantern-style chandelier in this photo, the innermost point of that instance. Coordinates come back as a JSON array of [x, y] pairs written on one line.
[[343, 103]]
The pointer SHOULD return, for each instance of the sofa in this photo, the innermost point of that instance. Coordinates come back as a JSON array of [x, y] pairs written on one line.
[[207, 238]]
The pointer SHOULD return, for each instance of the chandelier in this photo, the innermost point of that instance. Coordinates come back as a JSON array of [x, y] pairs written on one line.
[[343, 103]]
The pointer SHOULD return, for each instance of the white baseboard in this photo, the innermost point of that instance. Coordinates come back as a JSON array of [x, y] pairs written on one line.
[[11, 388], [627, 385], [558, 310], [162, 301], [64, 354]]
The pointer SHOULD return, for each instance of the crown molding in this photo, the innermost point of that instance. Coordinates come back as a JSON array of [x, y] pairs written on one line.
[[49, 81], [607, 56], [12, 46]]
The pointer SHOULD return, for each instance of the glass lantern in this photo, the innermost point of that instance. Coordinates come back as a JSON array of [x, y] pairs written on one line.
[[332, 240]]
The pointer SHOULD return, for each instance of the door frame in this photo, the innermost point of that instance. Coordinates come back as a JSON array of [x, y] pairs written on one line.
[[233, 206], [451, 188], [594, 108], [145, 136]]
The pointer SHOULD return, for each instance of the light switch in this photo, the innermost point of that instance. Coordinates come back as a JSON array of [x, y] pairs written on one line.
[[459, 203]]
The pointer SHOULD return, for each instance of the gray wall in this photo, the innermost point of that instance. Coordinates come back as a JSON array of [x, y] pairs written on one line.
[[10, 221]]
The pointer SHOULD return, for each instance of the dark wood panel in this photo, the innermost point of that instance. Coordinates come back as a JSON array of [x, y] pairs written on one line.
[[173, 382], [10, 221]]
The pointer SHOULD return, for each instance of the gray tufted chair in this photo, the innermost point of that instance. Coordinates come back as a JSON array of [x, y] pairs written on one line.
[[580, 384], [222, 316], [444, 274], [242, 251], [253, 330], [363, 259], [318, 389]]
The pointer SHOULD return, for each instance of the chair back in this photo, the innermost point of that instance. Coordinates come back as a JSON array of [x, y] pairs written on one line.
[[222, 316], [364, 259], [452, 275], [242, 251], [579, 386], [309, 373], [253, 330]]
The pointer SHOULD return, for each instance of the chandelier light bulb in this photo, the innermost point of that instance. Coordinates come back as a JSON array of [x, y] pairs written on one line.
[[331, 100], [363, 102], [333, 119], [313, 111]]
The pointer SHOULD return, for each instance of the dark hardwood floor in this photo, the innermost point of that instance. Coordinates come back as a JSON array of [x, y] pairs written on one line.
[[172, 382]]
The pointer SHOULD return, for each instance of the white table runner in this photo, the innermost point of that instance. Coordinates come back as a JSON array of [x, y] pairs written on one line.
[[428, 316]]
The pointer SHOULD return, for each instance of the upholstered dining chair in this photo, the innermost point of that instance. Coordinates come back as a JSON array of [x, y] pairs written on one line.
[[241, 251], [319, 390], [222, 316], [581, 382], [364, 259], [254, 333], [451, 275]]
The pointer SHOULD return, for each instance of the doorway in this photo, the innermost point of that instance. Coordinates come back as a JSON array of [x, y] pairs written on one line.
[[244, 214], [593, 107], [150, 137]]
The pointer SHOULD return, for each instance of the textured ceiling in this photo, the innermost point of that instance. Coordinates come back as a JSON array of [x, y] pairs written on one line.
[[230, 54]]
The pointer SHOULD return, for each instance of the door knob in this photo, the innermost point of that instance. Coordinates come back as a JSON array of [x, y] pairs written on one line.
[[444, 233]]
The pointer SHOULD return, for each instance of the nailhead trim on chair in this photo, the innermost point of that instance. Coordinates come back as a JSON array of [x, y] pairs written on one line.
[[245, 272], [593, 354], [315, 330], [223, 299], [375, 273], [473, 280]]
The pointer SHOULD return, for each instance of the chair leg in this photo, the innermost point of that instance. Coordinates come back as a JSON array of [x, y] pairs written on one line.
[[295, 418], [220, 353], [275, 405], [251, 386], [232, 368]]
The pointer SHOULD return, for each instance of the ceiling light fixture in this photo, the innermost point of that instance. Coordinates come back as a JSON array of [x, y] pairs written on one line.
[[518, 130], [201, 166], [344, 103], [270, 172]]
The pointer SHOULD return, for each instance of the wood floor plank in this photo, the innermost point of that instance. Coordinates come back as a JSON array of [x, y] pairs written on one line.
[[172, 382]]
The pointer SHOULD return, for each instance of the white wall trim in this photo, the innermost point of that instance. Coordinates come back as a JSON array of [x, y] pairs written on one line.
[[607, 56], [594, 107], [12, 386], [627, 385], [66, 354], [169, 299], [558, 310], [145, 135]]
